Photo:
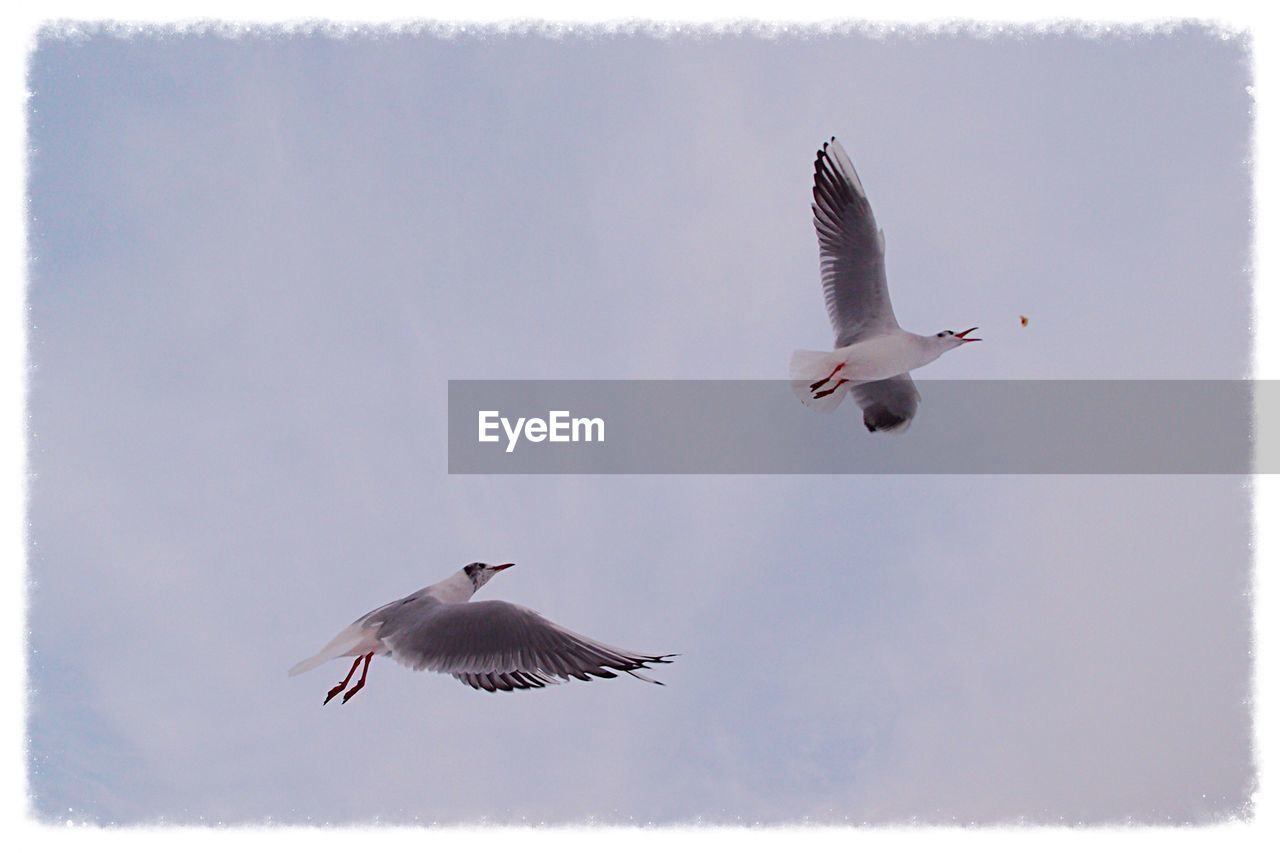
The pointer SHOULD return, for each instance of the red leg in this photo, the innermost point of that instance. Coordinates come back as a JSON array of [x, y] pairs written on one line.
[[815, 386], [343, 686], [830, 390], [354, 690]]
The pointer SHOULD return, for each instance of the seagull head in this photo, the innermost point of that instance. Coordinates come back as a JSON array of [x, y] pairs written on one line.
[[479, 573], [950, 340]]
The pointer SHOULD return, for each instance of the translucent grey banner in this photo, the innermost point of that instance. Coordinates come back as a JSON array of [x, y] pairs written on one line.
[[962, 427]]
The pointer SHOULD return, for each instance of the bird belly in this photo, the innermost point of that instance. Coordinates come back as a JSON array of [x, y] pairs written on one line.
[[878, 358]]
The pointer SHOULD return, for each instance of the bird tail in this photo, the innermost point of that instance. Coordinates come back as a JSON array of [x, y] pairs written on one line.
[[813, 381], [310, 663], [352, 639]]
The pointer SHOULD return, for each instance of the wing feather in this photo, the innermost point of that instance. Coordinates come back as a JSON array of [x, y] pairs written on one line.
[[851, 247], [887, 404], [495, 645]]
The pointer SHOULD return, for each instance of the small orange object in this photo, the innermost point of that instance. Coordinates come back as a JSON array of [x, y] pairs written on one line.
[[1023, 319]]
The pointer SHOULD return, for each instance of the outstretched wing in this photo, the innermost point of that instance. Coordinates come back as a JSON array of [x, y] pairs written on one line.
[[495, 645], [887, 404], [851, 248]]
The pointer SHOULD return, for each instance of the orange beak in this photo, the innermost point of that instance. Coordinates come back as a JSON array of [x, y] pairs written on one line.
[[962, 337], [503, 566]]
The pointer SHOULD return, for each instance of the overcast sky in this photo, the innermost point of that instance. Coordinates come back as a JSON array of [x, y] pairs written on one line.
[[258, 261]]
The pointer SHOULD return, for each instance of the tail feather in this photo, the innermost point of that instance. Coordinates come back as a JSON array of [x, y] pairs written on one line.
[[309, 663], [809, 367], [352, 639]]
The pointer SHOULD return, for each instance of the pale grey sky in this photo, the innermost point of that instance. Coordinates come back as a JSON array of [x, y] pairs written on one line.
[[259, 260]]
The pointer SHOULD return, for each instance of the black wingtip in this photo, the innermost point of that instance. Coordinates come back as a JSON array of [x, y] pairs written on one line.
[[878, 417]]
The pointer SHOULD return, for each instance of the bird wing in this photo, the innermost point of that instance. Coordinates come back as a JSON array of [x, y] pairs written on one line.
[[887, 404], [851, 248], [495, 645]]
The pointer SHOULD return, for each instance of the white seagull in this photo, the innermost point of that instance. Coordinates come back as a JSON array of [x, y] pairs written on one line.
[[872, 353], [490, 645]]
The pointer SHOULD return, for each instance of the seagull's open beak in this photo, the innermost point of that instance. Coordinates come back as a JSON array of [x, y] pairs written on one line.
[[503, 566], [962, 337]]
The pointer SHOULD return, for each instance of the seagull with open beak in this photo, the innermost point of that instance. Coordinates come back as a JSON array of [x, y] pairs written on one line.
[[873, 355]]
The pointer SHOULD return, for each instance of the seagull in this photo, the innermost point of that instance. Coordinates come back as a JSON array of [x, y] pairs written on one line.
[[872, 355], [490, 645]]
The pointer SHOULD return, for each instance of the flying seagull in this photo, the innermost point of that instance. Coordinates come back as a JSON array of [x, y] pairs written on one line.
[[490, 645], [873, 355]]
